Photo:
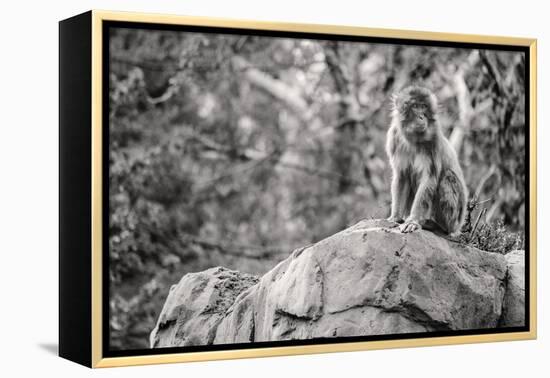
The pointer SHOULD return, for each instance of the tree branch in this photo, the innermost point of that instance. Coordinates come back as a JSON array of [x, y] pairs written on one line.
[[465, 110], [495, 74], [278, 89]]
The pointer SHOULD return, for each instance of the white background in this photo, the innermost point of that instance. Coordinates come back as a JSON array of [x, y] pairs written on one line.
[[29, 189]]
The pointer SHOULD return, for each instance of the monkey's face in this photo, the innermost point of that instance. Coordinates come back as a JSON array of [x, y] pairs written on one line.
[[415, 107]]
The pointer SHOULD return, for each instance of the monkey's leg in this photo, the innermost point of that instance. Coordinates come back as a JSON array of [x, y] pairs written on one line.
[[399, 192], [421, 205], [450, 207]]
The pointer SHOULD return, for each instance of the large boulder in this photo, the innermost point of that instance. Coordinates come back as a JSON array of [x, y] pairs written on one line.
[[369, 279]]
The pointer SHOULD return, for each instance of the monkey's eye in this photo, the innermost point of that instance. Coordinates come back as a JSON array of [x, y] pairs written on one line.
[[420, 106]]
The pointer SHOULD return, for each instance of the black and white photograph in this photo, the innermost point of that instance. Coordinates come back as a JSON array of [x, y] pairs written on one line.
[[231, 189], [270, 189]]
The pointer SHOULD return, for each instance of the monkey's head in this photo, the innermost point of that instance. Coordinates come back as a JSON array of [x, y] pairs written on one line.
[[415, 110]]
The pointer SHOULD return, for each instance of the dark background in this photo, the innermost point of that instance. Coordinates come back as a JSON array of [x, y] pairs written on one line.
[[233, 150]]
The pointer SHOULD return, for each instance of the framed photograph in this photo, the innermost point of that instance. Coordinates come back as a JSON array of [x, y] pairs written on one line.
[[234, 189]]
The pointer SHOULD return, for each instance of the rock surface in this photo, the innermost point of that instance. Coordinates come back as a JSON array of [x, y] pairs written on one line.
[[196, 305], [513, 311], [366, 280]]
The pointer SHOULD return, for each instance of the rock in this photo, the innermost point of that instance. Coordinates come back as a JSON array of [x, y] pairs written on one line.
[[369, 279], [196, 305], [513, 311]]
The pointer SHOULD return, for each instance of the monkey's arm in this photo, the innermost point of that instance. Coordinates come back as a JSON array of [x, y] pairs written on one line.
[[421, 204], [399, 192]]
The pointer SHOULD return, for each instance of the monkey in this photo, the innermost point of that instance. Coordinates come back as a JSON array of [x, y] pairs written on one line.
[[427, 187]]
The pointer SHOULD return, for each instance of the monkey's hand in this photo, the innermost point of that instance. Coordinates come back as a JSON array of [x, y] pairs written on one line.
[[410, 225]]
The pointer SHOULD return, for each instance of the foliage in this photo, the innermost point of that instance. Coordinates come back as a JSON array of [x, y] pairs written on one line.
[[488, 236], [233, 150], [495, 237]]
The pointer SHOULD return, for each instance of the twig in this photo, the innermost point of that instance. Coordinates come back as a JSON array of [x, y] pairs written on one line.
[[481, 213], [167, 95], [482, 202]]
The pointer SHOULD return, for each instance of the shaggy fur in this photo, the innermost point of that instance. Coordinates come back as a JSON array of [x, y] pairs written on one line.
[[427, 182]]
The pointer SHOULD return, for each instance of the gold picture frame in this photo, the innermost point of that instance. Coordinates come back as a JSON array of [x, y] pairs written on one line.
[[93, 25]]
